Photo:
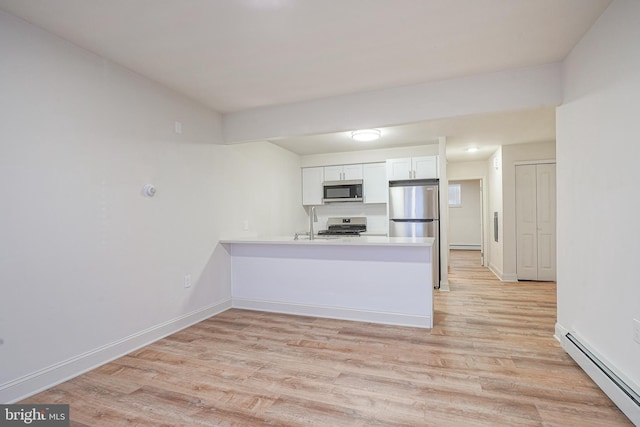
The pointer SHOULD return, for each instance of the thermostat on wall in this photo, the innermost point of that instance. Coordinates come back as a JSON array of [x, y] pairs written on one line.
[[149, 190]]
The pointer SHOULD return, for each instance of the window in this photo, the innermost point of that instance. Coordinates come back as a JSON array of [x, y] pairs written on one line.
[[455, 196]]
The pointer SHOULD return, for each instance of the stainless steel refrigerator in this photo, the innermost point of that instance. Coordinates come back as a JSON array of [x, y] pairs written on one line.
[[414, 211]]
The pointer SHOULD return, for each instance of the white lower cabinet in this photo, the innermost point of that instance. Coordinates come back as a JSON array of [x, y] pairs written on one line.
[[375, 184]]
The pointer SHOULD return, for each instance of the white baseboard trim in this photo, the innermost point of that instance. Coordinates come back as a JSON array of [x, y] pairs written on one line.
[[501, 276], [464, 247], [560, 332], [335, 312], [509, 278], [495, 270], [28, 385], [608, 385], [444, 286]]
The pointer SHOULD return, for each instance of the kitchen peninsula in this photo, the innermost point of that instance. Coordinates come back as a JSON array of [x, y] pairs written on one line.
[[371, 279]]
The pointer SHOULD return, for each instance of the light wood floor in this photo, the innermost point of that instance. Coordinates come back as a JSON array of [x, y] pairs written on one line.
[[490, 360]]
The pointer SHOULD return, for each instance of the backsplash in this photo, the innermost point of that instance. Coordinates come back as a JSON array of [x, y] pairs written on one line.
[[376, 215]]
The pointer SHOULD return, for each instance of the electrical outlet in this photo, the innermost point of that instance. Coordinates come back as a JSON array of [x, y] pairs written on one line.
[[636, 330], [245, 225], [177, 127], [187, 281]]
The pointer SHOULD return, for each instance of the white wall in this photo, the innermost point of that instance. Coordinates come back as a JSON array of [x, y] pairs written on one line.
[[464, 220], [264, 191], [90, 268], [494, 179], [597, 153], [467, 170]]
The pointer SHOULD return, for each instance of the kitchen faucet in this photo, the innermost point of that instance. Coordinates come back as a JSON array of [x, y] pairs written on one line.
[[312, 218]]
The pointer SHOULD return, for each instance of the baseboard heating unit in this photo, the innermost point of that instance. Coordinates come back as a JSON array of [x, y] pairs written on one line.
[[618, 391]]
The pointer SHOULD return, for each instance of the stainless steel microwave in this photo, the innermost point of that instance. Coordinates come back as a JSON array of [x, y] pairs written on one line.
[[342, 191]]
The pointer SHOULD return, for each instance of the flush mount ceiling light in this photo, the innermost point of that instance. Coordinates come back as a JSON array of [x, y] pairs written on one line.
[[472, 149], [366, 134]]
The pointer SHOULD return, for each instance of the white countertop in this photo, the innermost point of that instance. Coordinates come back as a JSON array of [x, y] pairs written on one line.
[[333, 240]]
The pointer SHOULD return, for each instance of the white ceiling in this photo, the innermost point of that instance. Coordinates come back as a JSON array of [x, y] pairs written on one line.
[[486, 132], [233, 55]]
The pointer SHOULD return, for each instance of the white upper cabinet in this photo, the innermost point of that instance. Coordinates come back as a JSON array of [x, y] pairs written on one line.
[[312, 179], [424, 167], [375, 182], [333, 173], [399, 169], [352, 172], [342, 172], [375, 177]]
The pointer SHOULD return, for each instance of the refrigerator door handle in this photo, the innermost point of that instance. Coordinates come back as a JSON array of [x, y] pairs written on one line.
[[412, 220]]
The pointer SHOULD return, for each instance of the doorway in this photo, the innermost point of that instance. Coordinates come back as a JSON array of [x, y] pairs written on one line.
[[466, 224]]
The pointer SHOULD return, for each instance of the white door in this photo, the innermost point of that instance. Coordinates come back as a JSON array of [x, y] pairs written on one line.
[[546, 215], [536, 222], [526, 223]]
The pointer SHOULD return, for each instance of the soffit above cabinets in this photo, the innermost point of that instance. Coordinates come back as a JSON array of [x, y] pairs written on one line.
[[486, 132]]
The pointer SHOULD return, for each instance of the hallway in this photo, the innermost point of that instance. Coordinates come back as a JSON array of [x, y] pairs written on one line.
[[511, 327]]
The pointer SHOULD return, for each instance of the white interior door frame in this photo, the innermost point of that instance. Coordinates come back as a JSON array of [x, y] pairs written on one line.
[[484, 214]]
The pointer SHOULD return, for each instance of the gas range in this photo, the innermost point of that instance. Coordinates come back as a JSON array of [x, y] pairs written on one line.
[[350, 226]]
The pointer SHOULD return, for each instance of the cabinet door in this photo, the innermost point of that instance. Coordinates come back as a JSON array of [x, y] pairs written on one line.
[[399, 169], [425, 167], [375, 183], [333, 173], [312, 179], [352, 172]]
